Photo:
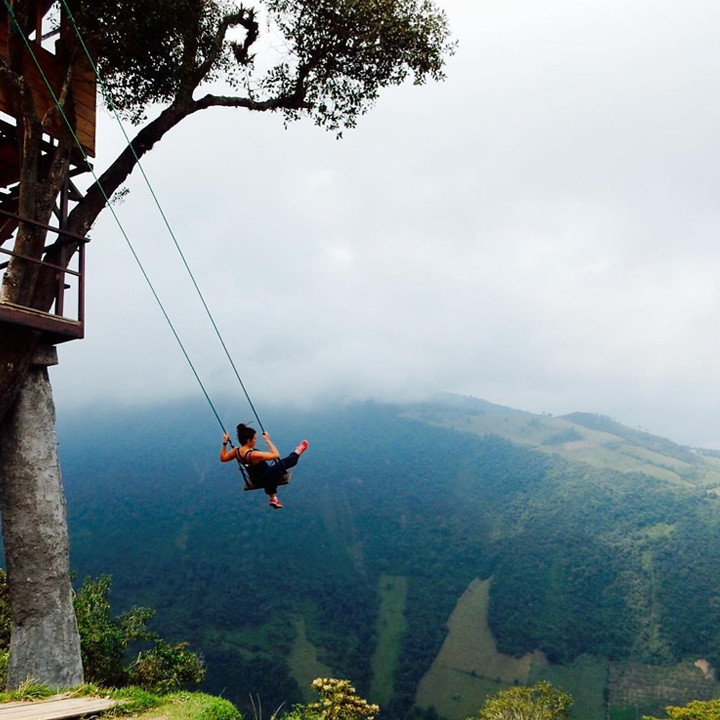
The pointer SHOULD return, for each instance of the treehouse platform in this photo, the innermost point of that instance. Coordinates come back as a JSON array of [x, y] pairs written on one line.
[[56, 325], [40, 281]]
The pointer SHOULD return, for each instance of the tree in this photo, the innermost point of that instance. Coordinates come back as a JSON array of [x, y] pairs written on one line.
[[154, 54], [537, 702], [695, 710], [104, 638]]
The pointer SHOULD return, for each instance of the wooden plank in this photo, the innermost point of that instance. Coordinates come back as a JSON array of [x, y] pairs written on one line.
[[60, 328], [58, 707], [83, 110]]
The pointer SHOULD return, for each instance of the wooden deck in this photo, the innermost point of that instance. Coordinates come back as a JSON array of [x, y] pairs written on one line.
[[57, 329], [55, 708]]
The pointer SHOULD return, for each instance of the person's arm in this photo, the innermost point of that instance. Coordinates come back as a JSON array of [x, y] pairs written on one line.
[[260, 455], [226, 456], [273, 450]]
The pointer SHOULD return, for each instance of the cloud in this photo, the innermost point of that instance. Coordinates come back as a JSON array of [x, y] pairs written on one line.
[[539, 230]]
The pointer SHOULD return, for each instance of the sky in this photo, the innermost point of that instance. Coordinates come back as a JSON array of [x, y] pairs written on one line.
[[539, 230]]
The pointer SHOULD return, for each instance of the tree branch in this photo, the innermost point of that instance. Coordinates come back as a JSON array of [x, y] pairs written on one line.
[[245, 18], [294, 101], [87, 210]]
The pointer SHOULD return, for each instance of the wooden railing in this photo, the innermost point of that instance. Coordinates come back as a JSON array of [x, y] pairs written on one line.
[[56, 325]]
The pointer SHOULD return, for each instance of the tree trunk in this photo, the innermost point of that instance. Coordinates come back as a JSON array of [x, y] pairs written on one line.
[[45, 643]]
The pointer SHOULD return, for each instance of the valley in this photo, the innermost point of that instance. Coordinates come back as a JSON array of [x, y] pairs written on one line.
[[431, 553]]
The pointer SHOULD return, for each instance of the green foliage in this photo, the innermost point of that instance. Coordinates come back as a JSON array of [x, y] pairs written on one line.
[[349, 50], [33, 690], [104, 641], [135, 700], [537, 702], [696, 710], [4, 660], [103, 638], [29, 689], [197, 706], [147, 51], [256, 710], [166, 667], [339, 54]]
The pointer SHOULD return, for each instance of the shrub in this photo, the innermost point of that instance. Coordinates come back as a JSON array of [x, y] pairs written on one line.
[[695, 710], [338, 701], [104, 643], [165, 667], [538, 702]]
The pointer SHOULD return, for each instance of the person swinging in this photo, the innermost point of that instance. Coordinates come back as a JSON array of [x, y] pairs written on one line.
[[255, 461]]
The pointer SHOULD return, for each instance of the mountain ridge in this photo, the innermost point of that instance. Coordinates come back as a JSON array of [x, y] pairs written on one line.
[[585, 437]]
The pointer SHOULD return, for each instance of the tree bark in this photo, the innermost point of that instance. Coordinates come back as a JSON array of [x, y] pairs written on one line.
[[44, 643]]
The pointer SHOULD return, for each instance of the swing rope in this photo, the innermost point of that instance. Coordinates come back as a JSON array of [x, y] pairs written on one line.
[[122, 229]]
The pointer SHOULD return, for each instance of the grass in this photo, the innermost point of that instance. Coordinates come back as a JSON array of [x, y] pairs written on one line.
[[624, 713], [28, 690], [585, 679], [137, 702], [648, 689], [391, 626], [469, 667], [194, 706], [303, 661]]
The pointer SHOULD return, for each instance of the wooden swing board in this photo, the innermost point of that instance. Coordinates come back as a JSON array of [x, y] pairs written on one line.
[[284, 481]]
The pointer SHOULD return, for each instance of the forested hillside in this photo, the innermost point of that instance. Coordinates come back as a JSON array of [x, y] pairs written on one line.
[[391, 516]]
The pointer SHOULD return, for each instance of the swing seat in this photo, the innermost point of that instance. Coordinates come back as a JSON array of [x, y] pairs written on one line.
[[250, 486]]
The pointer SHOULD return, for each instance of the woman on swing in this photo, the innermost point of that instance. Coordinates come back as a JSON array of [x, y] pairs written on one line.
[[261, 474]]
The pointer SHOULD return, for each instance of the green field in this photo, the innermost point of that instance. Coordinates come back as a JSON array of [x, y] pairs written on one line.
[[304, 663], [391, 627], [468, 666], [635, 689], [585, 679]]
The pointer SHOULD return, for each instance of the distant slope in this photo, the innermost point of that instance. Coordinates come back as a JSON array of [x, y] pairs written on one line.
[[580, 437]]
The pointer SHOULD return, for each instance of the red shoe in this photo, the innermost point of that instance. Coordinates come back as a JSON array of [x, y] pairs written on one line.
[[275, 502], [301, 448]]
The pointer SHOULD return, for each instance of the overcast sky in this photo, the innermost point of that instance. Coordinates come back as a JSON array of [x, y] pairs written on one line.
[[540, 230]]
